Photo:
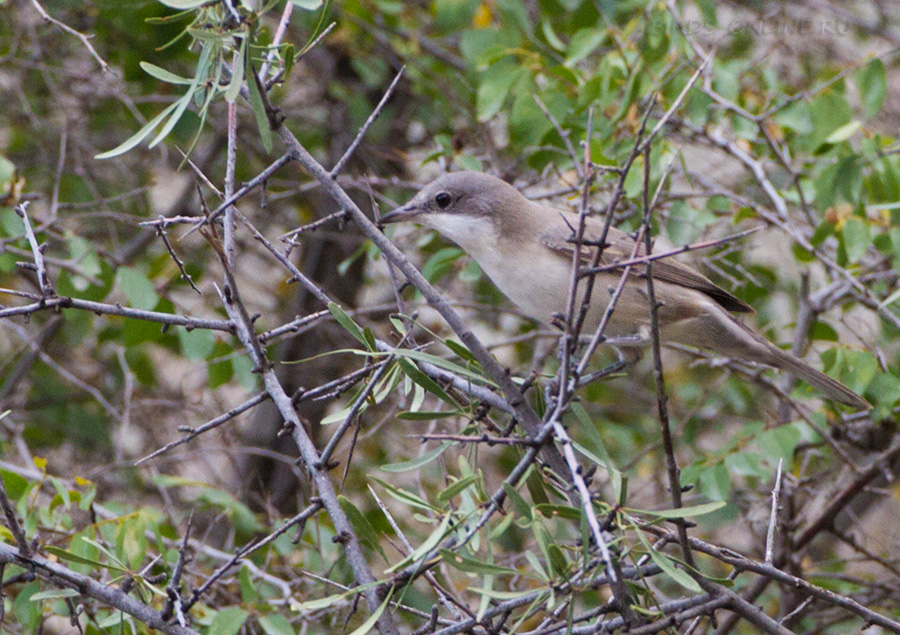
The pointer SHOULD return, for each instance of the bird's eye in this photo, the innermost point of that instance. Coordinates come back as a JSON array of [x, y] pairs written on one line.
[[443, 199]]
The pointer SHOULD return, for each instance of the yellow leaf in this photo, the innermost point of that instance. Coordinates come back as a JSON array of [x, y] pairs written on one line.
[[482, 18]]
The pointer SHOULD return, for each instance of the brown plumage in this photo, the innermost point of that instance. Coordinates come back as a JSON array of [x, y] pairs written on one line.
[[620, 247], [526, 249]]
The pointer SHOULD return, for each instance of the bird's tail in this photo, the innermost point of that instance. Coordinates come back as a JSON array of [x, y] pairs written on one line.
[[718, 331], [831, 388]]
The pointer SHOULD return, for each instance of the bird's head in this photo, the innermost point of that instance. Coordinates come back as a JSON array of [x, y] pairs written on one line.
[[462, 206]]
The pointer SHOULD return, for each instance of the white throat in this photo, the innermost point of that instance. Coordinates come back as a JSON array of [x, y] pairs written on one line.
[[477, 235]]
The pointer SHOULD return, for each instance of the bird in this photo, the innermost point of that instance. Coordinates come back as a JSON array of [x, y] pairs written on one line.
[[526, 249]]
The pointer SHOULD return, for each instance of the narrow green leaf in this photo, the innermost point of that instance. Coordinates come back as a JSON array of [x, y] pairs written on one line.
[[460, 350], [452, 490], [187, 14], [552, 553], [361, 525], [346, 321], [71, 557], [184, 102], [685, 512], [891, 298], [369, 339], [559, 511], [484, 602], [426, 547], [428, 416], [249, 590], [520, 505], [369, 624], [406, 497], [412, 371], [341, 415], [55, 594], [237, 75], [536, 565], [258, 106], [500, 595], [322, 603], [551, 37], [844, 132], [163, 75], [111, 621], [663, 562], [138, 136], [432, 541], [102, 549], [472, 565], [184, 4], [682, 578], [288, 55], [307, 5], [440, 362], [418, 462]]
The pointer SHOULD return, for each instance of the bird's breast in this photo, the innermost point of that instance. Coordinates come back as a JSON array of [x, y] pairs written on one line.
[[536, 280]]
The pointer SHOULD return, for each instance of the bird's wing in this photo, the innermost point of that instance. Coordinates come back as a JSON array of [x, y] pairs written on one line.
[[559, 237]]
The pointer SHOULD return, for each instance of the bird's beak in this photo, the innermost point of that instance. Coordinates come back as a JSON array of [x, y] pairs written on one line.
[[402, 213]]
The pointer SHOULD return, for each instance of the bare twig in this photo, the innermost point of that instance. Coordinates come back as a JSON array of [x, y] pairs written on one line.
[[37, 250], [65, 27], [661, 398], [245, 551], [101, 308], [673, 252], [321, 36], [325, 455], [161, 232], [248, 187], [277, 39], [339, 166], [564, 134], [12, 522], [193, 433], [773, 515], [230, 161], [174, 602]]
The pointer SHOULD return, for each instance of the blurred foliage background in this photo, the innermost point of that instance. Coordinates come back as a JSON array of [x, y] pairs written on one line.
[[792, 125]]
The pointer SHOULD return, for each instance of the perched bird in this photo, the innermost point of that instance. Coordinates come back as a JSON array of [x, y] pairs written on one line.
[[526, 249]]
